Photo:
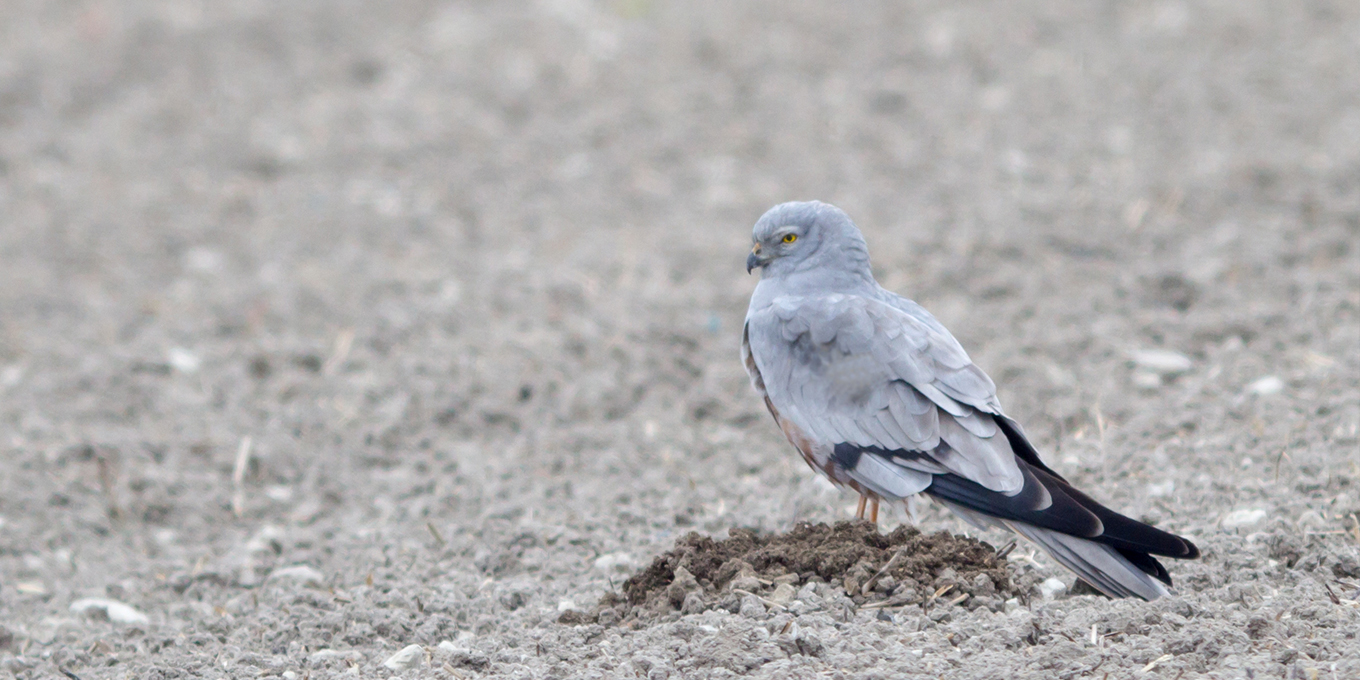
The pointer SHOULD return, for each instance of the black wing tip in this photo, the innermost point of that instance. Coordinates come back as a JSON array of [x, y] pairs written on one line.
[[1070, 512], [1191, 550], [1024, 450], [1146, 563], [1122, 531]]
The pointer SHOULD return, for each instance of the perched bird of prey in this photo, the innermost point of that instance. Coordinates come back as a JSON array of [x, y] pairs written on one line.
[[878, 396]]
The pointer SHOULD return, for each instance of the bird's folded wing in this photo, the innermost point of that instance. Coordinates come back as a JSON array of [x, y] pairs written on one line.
[[856, 371]]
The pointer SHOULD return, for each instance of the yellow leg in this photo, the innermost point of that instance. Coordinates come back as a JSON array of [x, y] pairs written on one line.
[[873, 510], [859, 512]]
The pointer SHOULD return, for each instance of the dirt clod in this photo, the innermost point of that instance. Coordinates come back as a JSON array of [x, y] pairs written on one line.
[[849, 554]]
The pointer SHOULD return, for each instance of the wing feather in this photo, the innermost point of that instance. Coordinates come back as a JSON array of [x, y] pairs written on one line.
[[851, 370]]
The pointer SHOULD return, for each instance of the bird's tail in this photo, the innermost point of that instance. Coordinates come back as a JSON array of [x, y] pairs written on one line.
[[1105, 568]]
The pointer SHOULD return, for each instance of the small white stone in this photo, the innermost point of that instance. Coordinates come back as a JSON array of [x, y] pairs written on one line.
[[203, 260], [1243, 518], [263, 541], [1147, 379], [783, 594], [1266, 386], [183, 360], [565, 605], [448, 647], [289, 675], [328, 654], [31, 587], [1312, 520], [298, 572], [450, 291], [1012, 605], [11, 375], [115, 610], [1164, 488], [279, 492], [410, 656], [618, 561], [1163, 361], [1052, 587]]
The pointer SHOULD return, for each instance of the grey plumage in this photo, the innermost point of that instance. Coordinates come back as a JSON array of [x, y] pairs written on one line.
[[876, 394]]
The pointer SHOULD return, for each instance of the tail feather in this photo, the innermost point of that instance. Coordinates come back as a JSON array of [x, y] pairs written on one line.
[[1112, 552], [1110, 570], [1096, 563]]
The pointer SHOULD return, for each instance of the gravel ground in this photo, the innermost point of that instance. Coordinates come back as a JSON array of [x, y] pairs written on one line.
[[370, 339]]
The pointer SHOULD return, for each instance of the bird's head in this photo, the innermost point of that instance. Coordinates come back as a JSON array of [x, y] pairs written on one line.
[[792, 235]]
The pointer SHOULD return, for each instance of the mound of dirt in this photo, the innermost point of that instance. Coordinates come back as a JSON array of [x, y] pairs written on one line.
[[895, 569]]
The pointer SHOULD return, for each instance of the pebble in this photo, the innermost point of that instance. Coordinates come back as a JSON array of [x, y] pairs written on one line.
[[329, 654], [616, 561], [747, 582], [1266, 386], [1052, 587], [1243, 518], [1312, 520], [117, 612], [693, 604], [409, 656], [808, 593], [1162, 488], [183, 360], [1163, 361], [1147, 379], [682, 584], [298, 572], [265, 540], [752, 607], [783, 594]]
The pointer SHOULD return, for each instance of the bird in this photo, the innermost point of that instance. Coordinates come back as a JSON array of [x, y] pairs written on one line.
[[877, 395]]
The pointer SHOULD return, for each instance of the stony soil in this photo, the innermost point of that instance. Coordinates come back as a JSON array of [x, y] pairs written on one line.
[[875, 569], [373, 339]]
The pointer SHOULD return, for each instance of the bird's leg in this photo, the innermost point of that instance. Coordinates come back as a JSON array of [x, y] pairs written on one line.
[[859, 512], [873, 510]]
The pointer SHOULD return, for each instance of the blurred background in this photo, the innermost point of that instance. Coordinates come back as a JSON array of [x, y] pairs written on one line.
[[329, 272]]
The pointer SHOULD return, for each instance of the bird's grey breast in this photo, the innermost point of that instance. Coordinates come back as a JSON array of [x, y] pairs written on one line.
[[817, 350]]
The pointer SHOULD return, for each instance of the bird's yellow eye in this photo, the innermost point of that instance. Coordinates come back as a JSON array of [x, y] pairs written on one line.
[[790, 238]]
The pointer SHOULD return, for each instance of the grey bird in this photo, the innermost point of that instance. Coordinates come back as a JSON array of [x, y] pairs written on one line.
[[878, 396]]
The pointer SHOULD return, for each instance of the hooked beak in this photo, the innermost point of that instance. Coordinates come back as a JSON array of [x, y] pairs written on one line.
[[754, 260]]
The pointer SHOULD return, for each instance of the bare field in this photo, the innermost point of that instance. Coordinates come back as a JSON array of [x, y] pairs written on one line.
[[332, 329]]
